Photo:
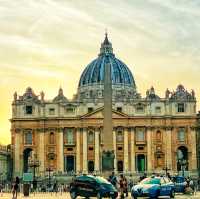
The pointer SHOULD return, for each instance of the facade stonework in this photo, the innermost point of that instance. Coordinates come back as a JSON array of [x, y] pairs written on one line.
[[149, 133]]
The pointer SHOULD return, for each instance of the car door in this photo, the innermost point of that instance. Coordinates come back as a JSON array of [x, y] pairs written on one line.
[[169, 186], [163, 187]]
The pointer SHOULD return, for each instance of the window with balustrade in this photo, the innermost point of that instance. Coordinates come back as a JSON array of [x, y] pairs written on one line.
[[181, 134], [69, 136], [28, 138], [140, 135]]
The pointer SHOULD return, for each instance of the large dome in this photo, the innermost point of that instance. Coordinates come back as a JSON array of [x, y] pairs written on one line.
[[94, 72]]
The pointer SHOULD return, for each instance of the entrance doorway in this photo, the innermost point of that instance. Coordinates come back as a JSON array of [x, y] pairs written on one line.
[[140, 163], [90, 166], [120, 166], [26, 155], [182, 158], [69, 163]]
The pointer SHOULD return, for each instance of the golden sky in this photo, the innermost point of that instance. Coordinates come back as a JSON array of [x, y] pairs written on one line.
[[46, 44]]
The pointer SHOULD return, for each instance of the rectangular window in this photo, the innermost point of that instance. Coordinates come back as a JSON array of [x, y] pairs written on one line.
[[158, 109], [28, 137], [69, 110], [181, 134], [181, 108], [69, 137], [140, 137], [90, 109], [139, 109], [119, 109], [29, 110], [52, 111]]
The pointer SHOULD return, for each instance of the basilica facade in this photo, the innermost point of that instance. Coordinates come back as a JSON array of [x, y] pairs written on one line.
[[149, 133]]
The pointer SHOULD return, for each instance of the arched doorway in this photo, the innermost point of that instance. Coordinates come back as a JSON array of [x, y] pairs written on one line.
[[120, 166], [26, 155], [69, 163], [182, 158], [90, 166], [140, 163]]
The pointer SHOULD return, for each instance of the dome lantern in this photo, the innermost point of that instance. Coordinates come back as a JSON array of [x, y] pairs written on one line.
[[106, 46]]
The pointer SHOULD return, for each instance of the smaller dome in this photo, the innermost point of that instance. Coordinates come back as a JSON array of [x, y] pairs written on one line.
[[60, 97]]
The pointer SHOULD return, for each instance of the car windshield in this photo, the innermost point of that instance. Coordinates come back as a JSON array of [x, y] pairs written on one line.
[[150, 181], [101, 180]]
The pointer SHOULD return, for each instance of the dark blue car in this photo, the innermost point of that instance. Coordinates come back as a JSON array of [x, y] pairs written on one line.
[[153, 187], [91, 186]]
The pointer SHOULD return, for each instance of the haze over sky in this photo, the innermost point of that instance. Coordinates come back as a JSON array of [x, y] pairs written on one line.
[[46, 44]]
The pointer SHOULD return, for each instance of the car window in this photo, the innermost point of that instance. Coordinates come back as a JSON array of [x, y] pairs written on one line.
[[166, 180], [162, 181], [101, 180], [85, 178], [150, 181]]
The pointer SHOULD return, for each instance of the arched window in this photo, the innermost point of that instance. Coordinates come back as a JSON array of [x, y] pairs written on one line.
[[90, 137], [158, 135], [51, 138]]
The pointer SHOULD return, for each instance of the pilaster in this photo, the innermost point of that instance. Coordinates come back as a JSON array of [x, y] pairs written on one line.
[[168, 149], [193, 149], [97, 148], [132, 149], [60, 161], [78, 150], [115, 149], [85, 161], [149, 149], [126, 150]]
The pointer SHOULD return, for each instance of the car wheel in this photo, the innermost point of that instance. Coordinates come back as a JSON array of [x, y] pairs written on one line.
[[172, 194], [73, 195], [99, 196]]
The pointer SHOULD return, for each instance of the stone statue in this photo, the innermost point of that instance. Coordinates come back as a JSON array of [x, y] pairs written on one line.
[[42, 95], [167, 93], [179, 154], [147, 93], [15, 96], [193, 93]]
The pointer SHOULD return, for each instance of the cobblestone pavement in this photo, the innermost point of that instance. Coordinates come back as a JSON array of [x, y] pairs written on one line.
[[67, 196]]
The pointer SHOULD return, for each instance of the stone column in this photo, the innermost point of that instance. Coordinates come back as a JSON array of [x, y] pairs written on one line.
[[60, 161], [41, 151], [149, 149], [17, 153], [168, 149], [132, 150], [115, 149], [85, 162], [97, 148], [78, 150], [126, 149], [193, 149]]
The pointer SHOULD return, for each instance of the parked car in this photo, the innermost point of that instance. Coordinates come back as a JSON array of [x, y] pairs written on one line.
[[153, 187], [91, 186], [180, 184]]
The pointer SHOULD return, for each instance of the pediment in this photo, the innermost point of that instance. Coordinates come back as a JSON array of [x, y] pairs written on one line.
[[98, 114]]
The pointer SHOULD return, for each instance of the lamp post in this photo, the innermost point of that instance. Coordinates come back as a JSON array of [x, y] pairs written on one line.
[[34, 163], [49, 172]]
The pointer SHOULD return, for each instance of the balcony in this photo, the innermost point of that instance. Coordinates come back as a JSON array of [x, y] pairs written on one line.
[[140, 142], [70, 144]]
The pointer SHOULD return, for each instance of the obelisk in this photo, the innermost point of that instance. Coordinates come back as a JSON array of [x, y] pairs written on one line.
[[108, 153]]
